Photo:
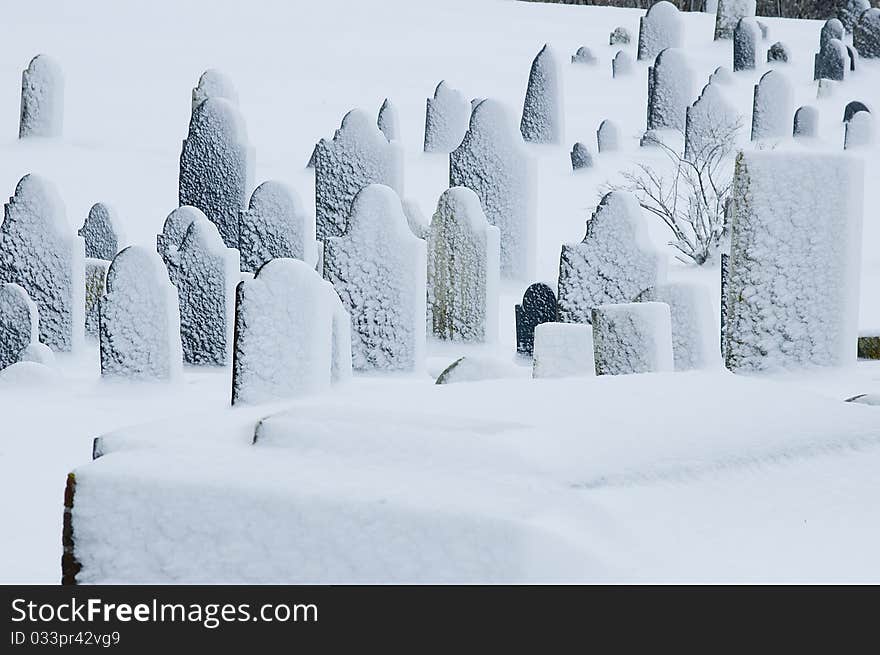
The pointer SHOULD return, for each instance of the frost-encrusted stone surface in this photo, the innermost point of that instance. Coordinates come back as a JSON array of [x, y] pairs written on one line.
[[292, 335], [216, 166], [632, 338], [446, 119], [96, 277], [608, 136], [214, 84], [492, 162], [583, 56], [659, 28], [173, 230], [694, 330], [709, 118], [40, 252], [778, 53], [42, 98], [387, 120], [613, 264], [832, 29], [538, 306], [848, 12], [543, 110], [619, 35], [378, 267], [140, 322], [563, 350], [19, 323], [806, 122], [358, 155], [729, 13], [670, 90], [746, 37], [275, 225], [831, 62], [722, 75], [580, 157], [463, 269], [622, 64], [852, 108], [859, 131], [866, 34], [101, 232], [771, 108], [793, 291], [205, 273]]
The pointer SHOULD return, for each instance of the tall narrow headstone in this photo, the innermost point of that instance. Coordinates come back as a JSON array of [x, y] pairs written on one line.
[[538, 306], [96, 278], [746, 37], [670, 89], [660, 28], [446, 119], [543, 111], [42, 99], [771, 109], [275, 225]]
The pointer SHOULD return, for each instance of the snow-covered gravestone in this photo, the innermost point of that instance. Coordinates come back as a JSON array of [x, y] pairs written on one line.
[[358, 155], [292, 334], [608, 136], [492, 162], [632, 338], [848, 12], [832, 29], [275, 225], [746, 37], [613, 264], [729, 13], [619, 35], [831, 62], [771, 107], [622, 64], [215, 166], [96, 277], [446, 119], [866, 34], [538, 306], [722, 75], [660, 28], [793, 288], [379, 267], [670, 89], [463, 269], [40, 252], [580, 157], [583, 56], [140, 322], [852, 108], [173, 231], [100, 231], [709, 120], [694, 331], [859, 131], [213, 84], [778, 53], [806, 122], [18, 323], [205, 273], [542, 116], [563, 350], [387, 120], [42, 98]]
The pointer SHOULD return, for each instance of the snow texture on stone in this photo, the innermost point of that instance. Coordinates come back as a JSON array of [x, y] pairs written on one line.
[[614, 263], [379, 268], [205, 273], [101, 232], [778, 53], [42, 99], [19, 323], [866, 34], [852, 108], [806, 122], [832, 29], [771, 108], [711, 116], [214, 84], [831, 62], [848, 12], [694, 330], [608, 136], [563, 350], [96, 277], [622, 64], [722, 75], [475, 368], [387, 120], [275, 225], [580, 157], [746, 37], [173, 230], [859, 131], [415, 218], [313, 156], [358, 155], [670, 90], [619, 35], [729, 13], [538, 306], [543, 108], [446, 119], [793, 291], [292, 335], [216, 166], [140, 321], [463, 269], [725, 280], [40, 252], [660, 28], [492, 162], [632, 338], [583, 56]]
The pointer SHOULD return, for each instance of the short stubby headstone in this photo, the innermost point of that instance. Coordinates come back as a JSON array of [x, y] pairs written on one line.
[[216, 166], [19, 323], [806, 122], [214, 84], [563, 350], [710, 121], [538, 306], [670, 90], [42, 99], [358, 155], [275, 225], [632, 338], [446, 119], [96, 277], [746, 37], [660, 28], [859, 131], [379, 268], [622, 64], [101, 232], [831, 62], [619, 35], [580, 157], [614, 263], [694, 330], [866, 34], [543, 110], [848, 12], [608, 136], [387, 120], [778, 53], [729, 13], [852, 108], [771, 108], [140, 322], [583, 56]]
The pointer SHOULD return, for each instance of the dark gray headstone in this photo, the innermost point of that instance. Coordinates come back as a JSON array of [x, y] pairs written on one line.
[[848, 12], [778, 52], [831, 62], [832, 29], [866, 34], [852, 108], [746, 36], [581, 157], [538, 306]]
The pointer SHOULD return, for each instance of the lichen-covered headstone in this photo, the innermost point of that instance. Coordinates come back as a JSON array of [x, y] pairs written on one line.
[[581, 157], [492, 162], [852, 108], [866, 34], [806, 122], [463, 269], [613, 264], [140, 322], [583, 56], [619, 35], [96, 276], [214, 84], [632, 338], [859, 131], [358, 155], [387, 120], [446, 119], [670, 90], [42, 99], [831, 62], [101, 233], [848, 12], [275, 225], [538, 306], [694, 331], [563, 350], [216, 166], [378, 267], [709, 121], [19, 323], [778, 53], [660, 28], [622, 64], [543, 110], [40, 252], [793, 289], [608, 136], [729, 13], [746, 37], [771, 108]]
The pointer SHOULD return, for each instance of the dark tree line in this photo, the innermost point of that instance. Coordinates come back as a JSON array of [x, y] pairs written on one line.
[[816, 9]]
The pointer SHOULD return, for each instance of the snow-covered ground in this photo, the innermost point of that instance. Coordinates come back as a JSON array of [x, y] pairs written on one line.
[[661, 477]]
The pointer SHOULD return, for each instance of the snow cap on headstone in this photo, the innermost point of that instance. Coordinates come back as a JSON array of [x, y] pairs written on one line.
[[446, 119], [771, 107], [42, 99], [101, 233], [275, 225], [670, 90], [660, 28], [543, 110], [214, 84]]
